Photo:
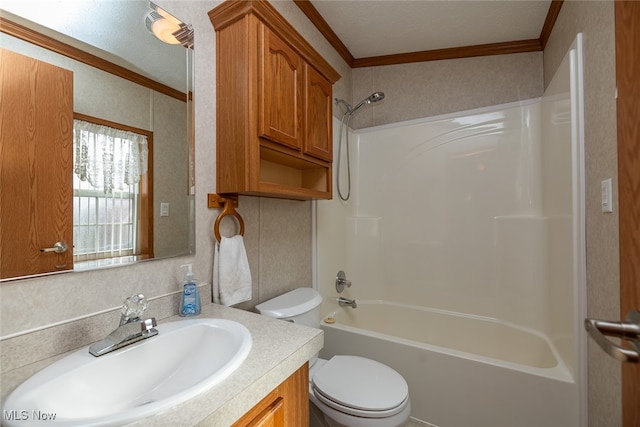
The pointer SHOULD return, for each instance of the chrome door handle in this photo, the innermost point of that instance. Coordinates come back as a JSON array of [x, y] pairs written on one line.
[[628, 331], [58, 247]]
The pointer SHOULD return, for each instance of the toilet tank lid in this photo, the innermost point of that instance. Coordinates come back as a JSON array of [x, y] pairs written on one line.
[[292, 303]]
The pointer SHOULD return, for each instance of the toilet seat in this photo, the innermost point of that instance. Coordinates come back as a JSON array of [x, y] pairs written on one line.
[[361, 387]]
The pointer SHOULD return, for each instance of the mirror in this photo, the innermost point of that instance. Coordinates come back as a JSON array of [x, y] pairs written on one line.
[[147, 87]]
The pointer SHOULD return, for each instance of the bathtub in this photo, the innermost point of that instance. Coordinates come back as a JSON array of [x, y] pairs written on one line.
[[462, 371]]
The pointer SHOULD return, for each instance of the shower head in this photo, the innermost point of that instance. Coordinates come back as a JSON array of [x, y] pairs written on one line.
[[374, 97]]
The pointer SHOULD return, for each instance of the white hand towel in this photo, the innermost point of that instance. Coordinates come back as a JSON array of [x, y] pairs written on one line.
[[231, 274]]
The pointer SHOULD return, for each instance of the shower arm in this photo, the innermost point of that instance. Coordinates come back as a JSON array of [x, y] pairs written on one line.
[[345, 103]]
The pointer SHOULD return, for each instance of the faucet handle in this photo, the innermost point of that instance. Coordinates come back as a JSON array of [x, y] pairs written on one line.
[[342, 281], [133, 308]]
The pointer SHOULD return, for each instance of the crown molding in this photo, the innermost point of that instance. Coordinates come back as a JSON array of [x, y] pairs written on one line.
[[519, 46], [21, 32]]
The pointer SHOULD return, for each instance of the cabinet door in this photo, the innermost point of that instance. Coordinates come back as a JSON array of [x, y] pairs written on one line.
[[272, 416], [318, 118], [280, 92], [286, 406]]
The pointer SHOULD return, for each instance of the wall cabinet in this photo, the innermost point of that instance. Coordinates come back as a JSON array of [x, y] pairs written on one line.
[[281, 80], [286, 406], [274, 106]]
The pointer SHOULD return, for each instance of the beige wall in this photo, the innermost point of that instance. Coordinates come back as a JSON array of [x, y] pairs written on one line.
[[596, 21], [426, 89], [170, 232]]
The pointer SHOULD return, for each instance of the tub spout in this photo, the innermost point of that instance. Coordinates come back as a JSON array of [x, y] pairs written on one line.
[[347, 302]]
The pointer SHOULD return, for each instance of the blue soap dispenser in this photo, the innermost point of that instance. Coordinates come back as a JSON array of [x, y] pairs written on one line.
[[190, 301]]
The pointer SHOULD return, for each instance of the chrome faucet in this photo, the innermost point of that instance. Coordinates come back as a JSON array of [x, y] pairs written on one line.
[[131, 329], [347, 302], [342, 281]]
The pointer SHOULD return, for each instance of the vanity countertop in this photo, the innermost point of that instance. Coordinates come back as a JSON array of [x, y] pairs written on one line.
[[278, 350]]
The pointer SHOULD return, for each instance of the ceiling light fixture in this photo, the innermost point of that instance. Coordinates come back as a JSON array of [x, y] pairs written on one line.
[[164, 26]]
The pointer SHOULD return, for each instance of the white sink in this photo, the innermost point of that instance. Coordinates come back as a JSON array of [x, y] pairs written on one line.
[[186, 358]]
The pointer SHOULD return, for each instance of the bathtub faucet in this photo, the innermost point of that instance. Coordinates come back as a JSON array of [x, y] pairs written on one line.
[[346, 301], [342, 281]]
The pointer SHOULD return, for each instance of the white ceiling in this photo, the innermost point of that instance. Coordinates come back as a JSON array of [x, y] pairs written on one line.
[[383, 27]]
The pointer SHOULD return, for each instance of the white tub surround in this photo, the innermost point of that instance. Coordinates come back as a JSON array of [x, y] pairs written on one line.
[[480, 214], [279, 349]]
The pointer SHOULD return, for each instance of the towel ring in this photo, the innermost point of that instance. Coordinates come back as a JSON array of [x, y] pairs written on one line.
[[228, 210]]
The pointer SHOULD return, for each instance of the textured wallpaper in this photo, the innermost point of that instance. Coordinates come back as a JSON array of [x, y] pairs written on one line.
[[426, 89], [596, 21]]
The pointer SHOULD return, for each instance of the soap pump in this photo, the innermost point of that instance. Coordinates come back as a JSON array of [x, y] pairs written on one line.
[[190, 301]]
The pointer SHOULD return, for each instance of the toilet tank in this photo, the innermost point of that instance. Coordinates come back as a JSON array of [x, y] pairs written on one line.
[[301, 306]]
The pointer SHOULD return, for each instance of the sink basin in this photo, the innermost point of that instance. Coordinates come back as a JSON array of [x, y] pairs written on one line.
[[186, 358]]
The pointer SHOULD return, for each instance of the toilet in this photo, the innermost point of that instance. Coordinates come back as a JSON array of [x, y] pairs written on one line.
[[344, 391]]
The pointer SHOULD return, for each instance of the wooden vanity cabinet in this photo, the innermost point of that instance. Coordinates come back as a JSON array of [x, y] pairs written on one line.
[[286, 406], [274, 106]]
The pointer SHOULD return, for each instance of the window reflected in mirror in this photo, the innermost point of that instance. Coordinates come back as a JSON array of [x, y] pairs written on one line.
[[111, 191]]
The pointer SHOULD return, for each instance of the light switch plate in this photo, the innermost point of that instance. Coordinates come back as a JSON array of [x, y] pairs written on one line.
[[164, 209], [607, 198]]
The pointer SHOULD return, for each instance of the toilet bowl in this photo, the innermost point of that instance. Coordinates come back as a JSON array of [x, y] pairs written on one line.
[[345, 391]]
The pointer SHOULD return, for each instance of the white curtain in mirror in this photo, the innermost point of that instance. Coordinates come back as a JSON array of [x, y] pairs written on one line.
[[108, 158]]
